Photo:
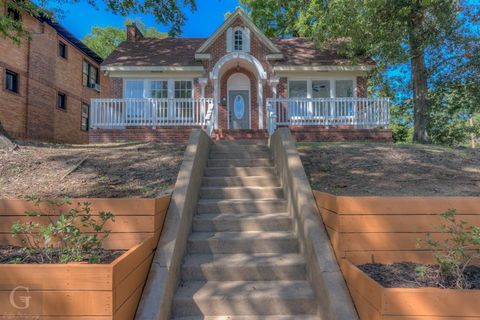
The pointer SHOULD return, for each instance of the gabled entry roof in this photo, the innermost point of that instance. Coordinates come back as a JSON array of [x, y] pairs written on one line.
[[239, 13]]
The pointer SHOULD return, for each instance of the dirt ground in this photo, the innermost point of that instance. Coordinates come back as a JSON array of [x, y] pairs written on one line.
[[391, 169], [110, 171]]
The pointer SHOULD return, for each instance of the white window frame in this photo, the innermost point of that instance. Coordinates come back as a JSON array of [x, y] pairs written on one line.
[[171, 91], [310, 90], [242, 31]]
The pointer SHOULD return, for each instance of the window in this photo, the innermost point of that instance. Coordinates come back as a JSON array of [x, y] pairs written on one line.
[[297, 89], [62, 101], [11, 81], [13, 14], [62, 50], [159, 90], [238, 40], [85, 115], [344, 88], [321, 89], [183, 90], [90, 75]]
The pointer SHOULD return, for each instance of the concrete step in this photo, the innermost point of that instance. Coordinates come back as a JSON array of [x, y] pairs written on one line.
[[277, 317], [240, 171], [241, 192], [215, 298], [242, 222], [239, 149], [235, 154], [250, 142], [251, 181], [242, 242], [259, 162], [244, 267], [241, 205]]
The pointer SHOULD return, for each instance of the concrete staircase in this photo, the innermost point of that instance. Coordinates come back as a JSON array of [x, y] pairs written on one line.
[[243, 260]]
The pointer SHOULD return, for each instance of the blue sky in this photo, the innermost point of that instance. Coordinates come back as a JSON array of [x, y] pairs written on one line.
[[79, 18]]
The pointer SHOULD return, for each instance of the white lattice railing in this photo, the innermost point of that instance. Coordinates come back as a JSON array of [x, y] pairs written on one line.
[[120, 113], [357, 112]]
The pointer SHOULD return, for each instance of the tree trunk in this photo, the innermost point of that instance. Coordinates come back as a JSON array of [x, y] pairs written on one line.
[[421, 106]]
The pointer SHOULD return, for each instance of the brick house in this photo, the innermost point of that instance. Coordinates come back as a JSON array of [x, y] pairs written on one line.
[[47, 83], [236, 83]]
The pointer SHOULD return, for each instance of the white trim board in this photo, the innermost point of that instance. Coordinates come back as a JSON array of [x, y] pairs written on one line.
[[152, 68], [325, 68]]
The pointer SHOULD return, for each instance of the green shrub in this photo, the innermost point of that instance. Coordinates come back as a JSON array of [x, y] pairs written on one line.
[[453, 254], [71, 236]]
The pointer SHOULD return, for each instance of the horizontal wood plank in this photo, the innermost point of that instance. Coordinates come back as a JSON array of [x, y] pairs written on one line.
[[59, 303], [432, 302], [123, 266], [64, 277], [128, 286]]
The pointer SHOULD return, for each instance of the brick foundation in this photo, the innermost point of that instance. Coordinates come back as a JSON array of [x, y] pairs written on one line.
[[231, 134], [164, 134], [340, 134]]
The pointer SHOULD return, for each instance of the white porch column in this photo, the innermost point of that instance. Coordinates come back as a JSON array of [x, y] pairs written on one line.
[[203, 107], [274, 84], [215, 100], [260, 103], [203, 83]]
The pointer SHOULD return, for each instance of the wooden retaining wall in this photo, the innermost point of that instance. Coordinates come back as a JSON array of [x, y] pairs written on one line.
[[77, 291], [387, 229], [136, 220]]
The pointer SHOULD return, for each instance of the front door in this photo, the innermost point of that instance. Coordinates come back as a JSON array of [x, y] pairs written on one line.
[[239, 109]]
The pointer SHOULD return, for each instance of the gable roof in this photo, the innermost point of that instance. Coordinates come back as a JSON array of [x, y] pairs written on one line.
[[239, 13], [156, 52]]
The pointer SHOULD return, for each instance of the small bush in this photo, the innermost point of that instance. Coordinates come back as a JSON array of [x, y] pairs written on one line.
[[72, 236], [453, 254]]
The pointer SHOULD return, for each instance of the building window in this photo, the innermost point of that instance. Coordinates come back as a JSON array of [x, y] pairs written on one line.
[[11, 81], [320, 88], [298, 89], [62, 50], [344, 88], [90, 75], [85, 116], [13, 14], [183, 108], [62, 101], [238, 40], [159, 90]]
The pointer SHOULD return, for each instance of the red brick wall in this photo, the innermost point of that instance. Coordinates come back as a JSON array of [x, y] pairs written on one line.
[[116, 88], [32, 114], [362, 84], [257, 49], [165, 134], [344, 133]]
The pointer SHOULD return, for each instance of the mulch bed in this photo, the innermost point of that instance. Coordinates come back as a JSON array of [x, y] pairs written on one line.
[[15, 255], [404, 275]]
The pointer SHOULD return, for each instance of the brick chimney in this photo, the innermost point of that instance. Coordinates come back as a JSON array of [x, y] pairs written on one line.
[[133, 33]]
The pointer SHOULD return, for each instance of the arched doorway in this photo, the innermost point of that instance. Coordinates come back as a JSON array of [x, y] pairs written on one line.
[[238, 102]]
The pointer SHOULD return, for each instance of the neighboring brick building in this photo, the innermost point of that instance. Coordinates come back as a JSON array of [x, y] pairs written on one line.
[[47, 83]]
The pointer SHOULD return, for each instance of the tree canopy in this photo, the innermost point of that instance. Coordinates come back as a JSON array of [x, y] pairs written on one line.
[[166, 12], [437, 39], [103, 40]]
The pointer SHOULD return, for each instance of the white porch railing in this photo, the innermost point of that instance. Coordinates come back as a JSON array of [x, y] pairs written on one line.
[[357, 112], [120, 113]]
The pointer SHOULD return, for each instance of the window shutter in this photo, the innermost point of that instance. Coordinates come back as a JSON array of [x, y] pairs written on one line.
[[230, 40], [246, 40]]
